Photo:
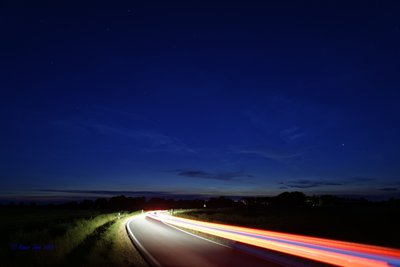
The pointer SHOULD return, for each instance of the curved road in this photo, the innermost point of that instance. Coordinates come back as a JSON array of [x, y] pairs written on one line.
[[168, 246], [165, 245]]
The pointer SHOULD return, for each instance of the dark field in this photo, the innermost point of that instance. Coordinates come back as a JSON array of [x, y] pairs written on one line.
[[59, 237], [369, 225]]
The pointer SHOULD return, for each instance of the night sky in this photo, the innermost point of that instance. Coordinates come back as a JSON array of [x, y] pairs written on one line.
[[199, 99]]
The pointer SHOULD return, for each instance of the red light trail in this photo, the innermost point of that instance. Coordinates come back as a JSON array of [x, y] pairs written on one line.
[[333, 252]]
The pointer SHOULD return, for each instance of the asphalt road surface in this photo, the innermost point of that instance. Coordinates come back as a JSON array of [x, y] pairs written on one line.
[[165, 245]]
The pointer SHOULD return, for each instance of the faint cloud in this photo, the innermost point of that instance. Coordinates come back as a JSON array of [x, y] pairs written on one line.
[[161, 142], [269, 153], [349, 181], [389, 189], [362, 179], [292, 134], [156, 141], [223, 176], [257, 120], [304, 183]]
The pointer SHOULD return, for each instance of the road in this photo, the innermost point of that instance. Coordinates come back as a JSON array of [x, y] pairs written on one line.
[[290, 249], [165, 245]]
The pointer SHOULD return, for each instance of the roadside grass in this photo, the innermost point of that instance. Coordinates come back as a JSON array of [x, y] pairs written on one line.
[[78, 233], [114, 248], [13, 220], [67, 241], [370, 225]]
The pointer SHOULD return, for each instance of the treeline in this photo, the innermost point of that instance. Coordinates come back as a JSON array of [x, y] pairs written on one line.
[[117, 203], [286, 199]]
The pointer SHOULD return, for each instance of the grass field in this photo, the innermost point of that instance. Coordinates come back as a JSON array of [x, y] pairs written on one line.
[[44, 237], [375, 226]]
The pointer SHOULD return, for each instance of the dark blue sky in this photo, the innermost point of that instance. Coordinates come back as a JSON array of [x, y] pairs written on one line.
[[194, 98]]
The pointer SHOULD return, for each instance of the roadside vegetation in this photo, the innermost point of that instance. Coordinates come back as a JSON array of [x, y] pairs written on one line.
[[112, 251], [46, 237]]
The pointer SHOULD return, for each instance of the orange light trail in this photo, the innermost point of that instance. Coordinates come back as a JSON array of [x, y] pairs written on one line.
[[333, 252]]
